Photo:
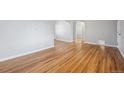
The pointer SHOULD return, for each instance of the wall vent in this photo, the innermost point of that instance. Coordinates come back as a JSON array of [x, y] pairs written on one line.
[[101, 42]]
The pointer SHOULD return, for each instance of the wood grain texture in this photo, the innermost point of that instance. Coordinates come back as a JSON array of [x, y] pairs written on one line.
[[76, 57]]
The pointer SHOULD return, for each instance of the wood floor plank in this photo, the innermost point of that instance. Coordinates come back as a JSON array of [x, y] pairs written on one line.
[[75, 57], [69, 63]]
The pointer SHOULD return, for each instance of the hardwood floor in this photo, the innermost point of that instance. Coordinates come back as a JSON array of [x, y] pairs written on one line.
[[73, 57]]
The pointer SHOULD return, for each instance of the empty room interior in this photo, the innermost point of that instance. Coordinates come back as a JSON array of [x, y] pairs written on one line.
[[61, 46]]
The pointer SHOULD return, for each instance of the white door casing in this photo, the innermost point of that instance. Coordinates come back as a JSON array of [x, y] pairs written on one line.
[[118, 33], [80, 30]]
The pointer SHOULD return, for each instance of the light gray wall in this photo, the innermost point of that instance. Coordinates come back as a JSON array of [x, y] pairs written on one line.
[[20, 37], [122, 37], [101, 30], [64, 31]]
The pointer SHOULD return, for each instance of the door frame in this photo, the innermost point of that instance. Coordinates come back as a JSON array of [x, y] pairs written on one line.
[[118, 33], [83, 33]]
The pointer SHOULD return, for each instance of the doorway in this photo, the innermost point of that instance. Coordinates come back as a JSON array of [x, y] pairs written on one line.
[[80, 31]]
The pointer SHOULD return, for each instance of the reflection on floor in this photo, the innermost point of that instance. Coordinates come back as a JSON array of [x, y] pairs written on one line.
[[68, 57]]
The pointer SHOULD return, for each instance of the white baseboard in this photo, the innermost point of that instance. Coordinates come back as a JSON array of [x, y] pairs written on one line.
[[99, 44], [121, 52], [24, 54], [64, 40], [107, 45]]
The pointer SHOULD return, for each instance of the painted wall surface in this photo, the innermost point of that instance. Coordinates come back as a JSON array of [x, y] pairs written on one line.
[[20, 37], [64, 31], [122, 37], [105, 30]]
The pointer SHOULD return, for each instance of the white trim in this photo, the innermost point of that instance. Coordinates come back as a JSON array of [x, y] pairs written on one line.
[[121, 52], [84, 34], [64, 40], [99, 44], [118, 32], [24, 54]]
